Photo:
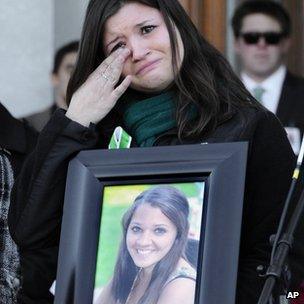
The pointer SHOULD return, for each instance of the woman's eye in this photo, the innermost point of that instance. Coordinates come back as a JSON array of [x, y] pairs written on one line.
[[160, 231], [136, 229], [117, 46], [147, 29]]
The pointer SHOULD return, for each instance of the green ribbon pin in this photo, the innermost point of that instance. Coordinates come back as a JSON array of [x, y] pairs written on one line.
[[120, 139]]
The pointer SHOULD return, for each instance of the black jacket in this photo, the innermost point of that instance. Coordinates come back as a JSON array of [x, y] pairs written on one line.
[[291, 104], [16, 137], [37, 201]]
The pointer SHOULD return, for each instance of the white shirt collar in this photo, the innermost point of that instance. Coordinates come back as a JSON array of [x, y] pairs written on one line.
[[272, 86]]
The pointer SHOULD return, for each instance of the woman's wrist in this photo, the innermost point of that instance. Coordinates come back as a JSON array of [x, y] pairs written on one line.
[[81, 120]]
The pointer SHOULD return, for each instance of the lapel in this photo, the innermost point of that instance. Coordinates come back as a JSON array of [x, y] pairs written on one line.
[[285, 103], [12, 132]]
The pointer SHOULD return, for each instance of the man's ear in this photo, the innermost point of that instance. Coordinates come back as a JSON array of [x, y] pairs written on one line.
[[54, 80]]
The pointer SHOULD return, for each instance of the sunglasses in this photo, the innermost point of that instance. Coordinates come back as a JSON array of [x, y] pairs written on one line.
[[272, 38]]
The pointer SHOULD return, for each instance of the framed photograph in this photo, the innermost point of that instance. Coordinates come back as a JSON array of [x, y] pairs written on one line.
[[150, 232], [162, 213]]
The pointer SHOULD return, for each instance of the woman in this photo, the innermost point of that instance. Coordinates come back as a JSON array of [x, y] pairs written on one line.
[[152, 252], [143, 65]]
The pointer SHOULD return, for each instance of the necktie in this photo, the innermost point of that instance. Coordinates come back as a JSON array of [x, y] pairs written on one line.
[[258, 93]]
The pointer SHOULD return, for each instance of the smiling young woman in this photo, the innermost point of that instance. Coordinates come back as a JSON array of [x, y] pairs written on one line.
[[143, 65], [152, 266]]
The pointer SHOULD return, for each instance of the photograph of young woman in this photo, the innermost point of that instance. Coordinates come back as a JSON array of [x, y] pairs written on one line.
[[144, 66], [152, 266]]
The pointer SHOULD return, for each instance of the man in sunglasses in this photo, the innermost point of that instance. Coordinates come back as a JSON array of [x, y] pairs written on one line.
[[262, 37]]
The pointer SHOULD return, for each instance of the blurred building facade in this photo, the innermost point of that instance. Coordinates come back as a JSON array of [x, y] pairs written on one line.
[[31, 30]]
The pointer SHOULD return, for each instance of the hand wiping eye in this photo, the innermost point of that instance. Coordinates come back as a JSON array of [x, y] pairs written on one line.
[[117, 46], [98, 95]]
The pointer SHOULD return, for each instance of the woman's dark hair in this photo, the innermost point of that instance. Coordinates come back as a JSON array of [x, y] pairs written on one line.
[[205, 80], [269, 8], [174, 205]]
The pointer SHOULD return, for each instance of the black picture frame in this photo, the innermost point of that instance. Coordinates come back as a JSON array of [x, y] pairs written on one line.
[[221, 166]]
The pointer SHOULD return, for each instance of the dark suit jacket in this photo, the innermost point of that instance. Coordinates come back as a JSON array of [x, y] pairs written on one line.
[[291, 105], [40, 119], [16, 137], [291, 113]]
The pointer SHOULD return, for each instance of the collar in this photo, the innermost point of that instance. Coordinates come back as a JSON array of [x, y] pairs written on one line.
[[12, 132], [275, 80]]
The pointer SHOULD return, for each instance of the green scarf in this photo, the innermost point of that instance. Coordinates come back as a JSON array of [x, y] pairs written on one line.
[[146, 119]]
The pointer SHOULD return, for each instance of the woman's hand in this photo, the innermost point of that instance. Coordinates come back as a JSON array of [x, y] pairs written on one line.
[[98, 95]]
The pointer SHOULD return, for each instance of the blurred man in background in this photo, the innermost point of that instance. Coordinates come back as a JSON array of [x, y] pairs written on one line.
[[262, 37], [64, 62]]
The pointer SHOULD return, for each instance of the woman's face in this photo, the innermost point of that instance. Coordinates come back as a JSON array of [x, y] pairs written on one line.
[[150, 236], [142, 29]]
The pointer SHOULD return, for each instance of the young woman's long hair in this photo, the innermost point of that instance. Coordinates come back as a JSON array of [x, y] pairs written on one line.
[[205, 79], [174, 205]]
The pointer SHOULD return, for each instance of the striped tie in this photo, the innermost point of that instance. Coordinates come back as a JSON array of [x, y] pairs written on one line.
[[258, 93]]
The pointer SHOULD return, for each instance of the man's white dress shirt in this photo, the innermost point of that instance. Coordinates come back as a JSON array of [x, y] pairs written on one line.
[[272, 86]]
